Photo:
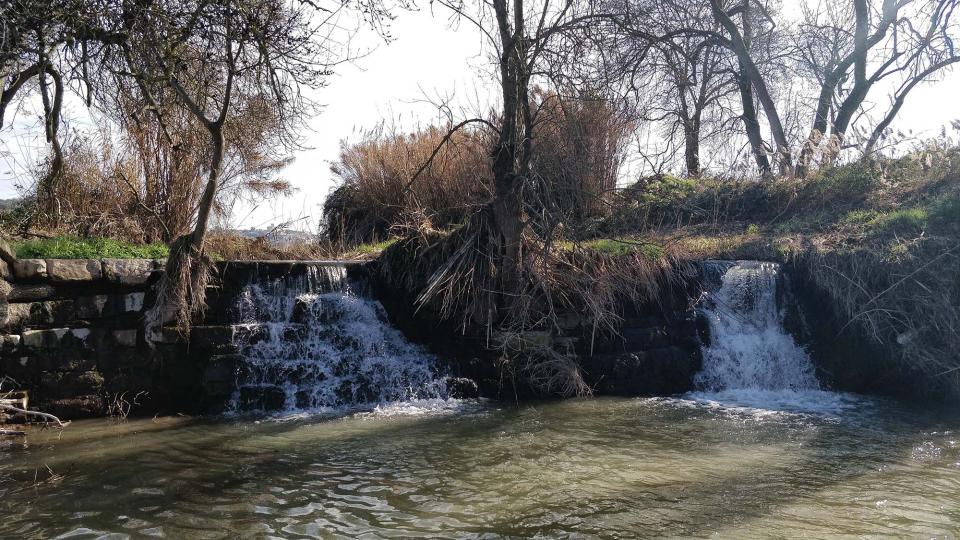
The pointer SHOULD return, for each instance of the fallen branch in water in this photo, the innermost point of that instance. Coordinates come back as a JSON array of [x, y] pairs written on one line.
[[47, 416]]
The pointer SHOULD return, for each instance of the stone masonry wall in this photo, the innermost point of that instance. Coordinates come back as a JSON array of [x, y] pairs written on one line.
[[70, 332]]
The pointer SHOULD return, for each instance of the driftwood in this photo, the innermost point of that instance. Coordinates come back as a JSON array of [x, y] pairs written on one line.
[[46, 416]]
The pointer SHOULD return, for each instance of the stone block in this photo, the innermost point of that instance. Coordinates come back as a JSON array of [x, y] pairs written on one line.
[[9, 343], [30, 269], [5, 289], [44, 339], [90, 307], [125, 338], [54, 338], [76, 407], [73, 270], [32, 293], [133, 302], [128, 272], [65, 384], [13, 317], [5, 271], [51, 312], [209, 337]]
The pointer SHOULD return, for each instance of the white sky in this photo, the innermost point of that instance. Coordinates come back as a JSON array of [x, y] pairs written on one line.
[[427, 59]]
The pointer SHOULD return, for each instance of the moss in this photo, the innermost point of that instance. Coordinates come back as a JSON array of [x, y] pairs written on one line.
[[944, 213], [753, 228], [369, 249], [860, 217], [68, 247], [907, 222]]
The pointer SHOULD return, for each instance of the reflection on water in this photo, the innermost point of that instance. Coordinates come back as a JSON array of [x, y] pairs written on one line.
[[597, 468]]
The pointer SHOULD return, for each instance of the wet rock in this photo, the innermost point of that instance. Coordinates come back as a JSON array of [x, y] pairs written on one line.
[[5, 289], [128, 272], [5, 271], [125, 338], [30, 269], [665, 371], [264, 398], [209, 337], [73, 408], [462, 388]]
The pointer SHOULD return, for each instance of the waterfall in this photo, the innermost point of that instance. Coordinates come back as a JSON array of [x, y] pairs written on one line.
[[750, 358], [316, 342]]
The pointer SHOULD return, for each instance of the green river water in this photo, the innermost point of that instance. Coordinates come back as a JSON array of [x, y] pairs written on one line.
[[598, 468]]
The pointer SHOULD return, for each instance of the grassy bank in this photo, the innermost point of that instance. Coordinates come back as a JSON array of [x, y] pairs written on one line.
[[880, 238], [68, 247]]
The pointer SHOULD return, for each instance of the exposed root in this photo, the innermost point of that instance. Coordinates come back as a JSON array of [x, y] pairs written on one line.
[[181, 291], [456, 277]]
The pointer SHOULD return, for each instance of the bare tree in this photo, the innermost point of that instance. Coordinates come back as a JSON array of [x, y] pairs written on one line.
[[45, 46], [213, 59]]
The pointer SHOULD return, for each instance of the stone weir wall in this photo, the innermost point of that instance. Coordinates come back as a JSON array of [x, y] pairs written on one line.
[[70, 332], [656, 351], [72, 336]]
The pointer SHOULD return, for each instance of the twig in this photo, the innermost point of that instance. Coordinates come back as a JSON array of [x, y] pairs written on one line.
[[49, 417]]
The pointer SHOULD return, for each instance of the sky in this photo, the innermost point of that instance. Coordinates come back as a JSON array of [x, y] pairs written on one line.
[[427, 61]]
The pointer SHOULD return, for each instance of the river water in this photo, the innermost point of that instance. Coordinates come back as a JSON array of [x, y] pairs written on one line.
[[601, 468]]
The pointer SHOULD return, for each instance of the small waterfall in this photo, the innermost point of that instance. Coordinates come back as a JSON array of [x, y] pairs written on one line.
[[751, 359], [314, 342]]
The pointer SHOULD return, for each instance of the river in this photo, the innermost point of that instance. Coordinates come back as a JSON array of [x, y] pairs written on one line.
[[603, 468]]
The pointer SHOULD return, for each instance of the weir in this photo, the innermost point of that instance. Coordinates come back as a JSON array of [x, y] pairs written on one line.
[[750, 358], [317, 341], [285, 336]]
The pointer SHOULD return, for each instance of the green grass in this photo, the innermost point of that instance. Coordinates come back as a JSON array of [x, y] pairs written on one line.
[[618, 246], [66, 247], [372, 248]]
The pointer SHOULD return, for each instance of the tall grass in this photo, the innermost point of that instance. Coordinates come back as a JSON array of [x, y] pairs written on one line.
[[578, 151]]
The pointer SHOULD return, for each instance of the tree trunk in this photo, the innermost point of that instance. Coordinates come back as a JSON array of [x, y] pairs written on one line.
[[199, 233], [691, 135], [819, 128], [752, 126]]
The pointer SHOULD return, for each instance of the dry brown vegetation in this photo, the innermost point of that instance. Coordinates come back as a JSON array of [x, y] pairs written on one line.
[[579, 148]]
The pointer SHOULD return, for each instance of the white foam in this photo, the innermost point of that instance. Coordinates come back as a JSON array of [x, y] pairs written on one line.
[[321, 348], [751, 362]]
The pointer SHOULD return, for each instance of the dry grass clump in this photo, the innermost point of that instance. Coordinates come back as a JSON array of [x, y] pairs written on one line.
[[234, 247], [373, 201], [904, 294], [144, 185]]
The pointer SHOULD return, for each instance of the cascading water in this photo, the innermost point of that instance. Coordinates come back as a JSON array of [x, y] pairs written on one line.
[[751, 360], [315, 343]]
